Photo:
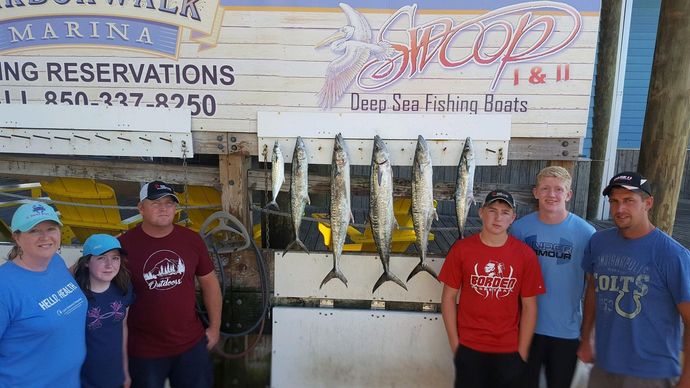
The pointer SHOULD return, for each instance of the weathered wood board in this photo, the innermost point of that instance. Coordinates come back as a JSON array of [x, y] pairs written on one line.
[[226, 61]]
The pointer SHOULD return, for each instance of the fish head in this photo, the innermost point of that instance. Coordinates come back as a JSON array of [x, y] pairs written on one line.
[[300, 152], [339, 142], [422, 154], [468, 149], [276, 151], [339, 151], [380, 154]]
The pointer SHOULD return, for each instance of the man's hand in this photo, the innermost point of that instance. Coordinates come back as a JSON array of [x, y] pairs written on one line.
[[212, 336], [585, 352]]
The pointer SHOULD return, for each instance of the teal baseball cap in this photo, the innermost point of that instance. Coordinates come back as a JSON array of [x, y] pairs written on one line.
[[31, 214], [98, 244]]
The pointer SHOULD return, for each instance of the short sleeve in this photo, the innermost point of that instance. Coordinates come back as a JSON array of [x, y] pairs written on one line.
[[451, 272], [533, 281], [587, 259], [4, 318], [130, 297], [676, 268], [205, 264]]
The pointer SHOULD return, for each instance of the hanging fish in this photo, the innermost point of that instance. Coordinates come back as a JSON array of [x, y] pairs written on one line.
[[277, 174], [299, 190], [464, 194], [423, 211], [381, 215], [341, 215]]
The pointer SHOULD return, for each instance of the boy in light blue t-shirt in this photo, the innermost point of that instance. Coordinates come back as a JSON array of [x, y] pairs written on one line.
[[559, 238]]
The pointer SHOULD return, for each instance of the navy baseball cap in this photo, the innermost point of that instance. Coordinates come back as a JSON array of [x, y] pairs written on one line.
[[499, 195], [155, 190], [628, 180]]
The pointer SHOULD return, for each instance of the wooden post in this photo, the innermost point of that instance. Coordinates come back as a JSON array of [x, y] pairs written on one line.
[[667, 121], [233, 181], [567, 164], [609, 29]]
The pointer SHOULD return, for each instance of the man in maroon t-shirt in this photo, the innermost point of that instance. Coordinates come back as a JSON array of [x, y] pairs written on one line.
[[498, 278], [167, 340]]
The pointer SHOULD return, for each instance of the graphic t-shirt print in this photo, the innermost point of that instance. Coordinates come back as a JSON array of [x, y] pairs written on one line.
[[96, 318], [493, 279], [163, 270]]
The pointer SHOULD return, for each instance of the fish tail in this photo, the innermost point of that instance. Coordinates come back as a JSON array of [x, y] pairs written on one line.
[[335, 273], [387, 276], [272, 204], [298, 242], [422, 266], [461, 233]]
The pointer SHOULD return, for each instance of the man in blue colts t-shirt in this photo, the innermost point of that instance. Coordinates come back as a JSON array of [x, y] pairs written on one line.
[[637, 294]]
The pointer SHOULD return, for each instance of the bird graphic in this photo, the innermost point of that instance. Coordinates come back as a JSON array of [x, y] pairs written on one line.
[[354, 45]]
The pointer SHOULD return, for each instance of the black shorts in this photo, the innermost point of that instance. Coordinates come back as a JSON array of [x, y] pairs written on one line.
[[558, 356], [475, 369]]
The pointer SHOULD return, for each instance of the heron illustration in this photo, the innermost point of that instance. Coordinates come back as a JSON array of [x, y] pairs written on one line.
[[354, 45]]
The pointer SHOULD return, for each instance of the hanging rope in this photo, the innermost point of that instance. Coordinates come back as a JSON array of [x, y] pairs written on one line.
[[88, 205], [184, 169]]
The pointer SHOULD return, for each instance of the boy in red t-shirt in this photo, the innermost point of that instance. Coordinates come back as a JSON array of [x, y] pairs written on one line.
[[498, 278]]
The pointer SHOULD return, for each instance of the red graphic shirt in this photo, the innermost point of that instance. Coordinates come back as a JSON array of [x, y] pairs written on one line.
[[163, 320], [491, 281]]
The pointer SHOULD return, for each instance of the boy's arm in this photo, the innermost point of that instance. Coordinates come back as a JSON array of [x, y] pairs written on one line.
[[449, 311], [585, 352], [528, 321]]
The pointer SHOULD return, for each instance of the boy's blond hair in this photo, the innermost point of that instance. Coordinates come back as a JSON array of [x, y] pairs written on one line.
[[555, 172]]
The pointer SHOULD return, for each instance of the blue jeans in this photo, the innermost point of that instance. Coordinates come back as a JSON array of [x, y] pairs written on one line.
[[191, 369]]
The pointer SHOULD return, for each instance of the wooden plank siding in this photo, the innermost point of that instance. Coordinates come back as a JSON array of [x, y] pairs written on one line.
[[641, 43], [626, 160], [271, 63], [643, 27]]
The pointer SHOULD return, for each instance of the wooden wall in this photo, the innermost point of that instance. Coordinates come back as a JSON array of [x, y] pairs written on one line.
[[626, 160], [265, 59]]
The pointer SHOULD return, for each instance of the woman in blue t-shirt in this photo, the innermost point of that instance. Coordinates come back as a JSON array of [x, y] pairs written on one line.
[[103, 277], [42, 309]]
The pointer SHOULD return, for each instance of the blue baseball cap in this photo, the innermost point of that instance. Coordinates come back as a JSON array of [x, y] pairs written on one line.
[[31, 214], [98, 244]]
